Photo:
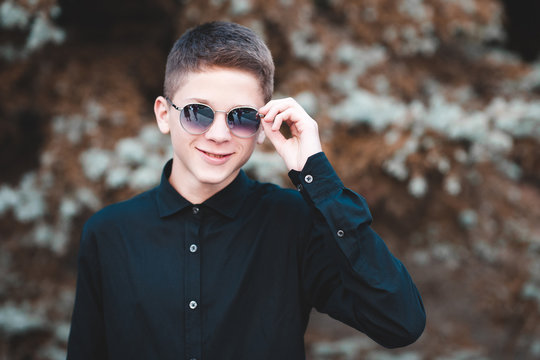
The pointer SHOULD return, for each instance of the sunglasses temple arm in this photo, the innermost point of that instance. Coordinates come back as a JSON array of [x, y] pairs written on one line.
[[172, 104]]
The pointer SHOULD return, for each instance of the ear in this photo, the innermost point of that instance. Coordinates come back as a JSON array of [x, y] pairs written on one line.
[[161, 111], [260, 137]]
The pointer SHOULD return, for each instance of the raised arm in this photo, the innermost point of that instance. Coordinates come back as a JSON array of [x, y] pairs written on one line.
[[348, 272]]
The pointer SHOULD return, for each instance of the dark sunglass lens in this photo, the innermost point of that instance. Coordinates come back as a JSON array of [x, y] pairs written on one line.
[[243, 122], [196, 118]]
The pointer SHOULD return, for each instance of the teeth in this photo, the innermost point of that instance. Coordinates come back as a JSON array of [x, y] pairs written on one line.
[[215, 155]]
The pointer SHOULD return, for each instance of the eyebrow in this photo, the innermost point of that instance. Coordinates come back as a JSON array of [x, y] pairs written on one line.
[[199, 100]]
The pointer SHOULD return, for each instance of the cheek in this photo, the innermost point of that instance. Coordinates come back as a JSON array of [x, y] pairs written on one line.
[[248, 147], [180, 139]]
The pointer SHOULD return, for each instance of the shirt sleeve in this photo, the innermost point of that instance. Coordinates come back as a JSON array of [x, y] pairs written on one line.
[[87, 333], [348, 272]]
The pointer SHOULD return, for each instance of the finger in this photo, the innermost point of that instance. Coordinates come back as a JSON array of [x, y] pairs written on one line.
[[294, 130], [271, 114], [276, 138], [273, 102], [267, 107], [283, 116], [274, 107]]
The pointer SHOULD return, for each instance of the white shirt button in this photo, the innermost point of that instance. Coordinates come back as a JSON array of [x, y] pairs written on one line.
[[195, 210], [193, 248], [308, 179], [340, 233], [192, 305]]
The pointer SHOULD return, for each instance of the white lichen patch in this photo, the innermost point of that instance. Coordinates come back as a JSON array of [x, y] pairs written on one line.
[[358, 60], [95, 162], [15, 320], [452, 185], [306, 46], [240, 7], [38, 25], [136, 162], [13, 15], [490, 132], [308, 101], [366, 108], [418, 187], [26, 201], [42, 32]]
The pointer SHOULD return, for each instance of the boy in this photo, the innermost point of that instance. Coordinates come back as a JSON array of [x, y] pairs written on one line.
[[213, 265]]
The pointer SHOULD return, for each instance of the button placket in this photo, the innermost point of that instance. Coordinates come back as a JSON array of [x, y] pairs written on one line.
[[192, 291]]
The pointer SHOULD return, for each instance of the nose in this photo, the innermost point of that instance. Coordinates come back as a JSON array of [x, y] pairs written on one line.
[[219, 131]]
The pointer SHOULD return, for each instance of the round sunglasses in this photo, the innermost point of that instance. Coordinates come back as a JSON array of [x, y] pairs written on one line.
[[196, 119]]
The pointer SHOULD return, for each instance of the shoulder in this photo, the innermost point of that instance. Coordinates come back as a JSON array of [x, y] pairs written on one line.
[[140, 207], [281, 214], [274, 197]]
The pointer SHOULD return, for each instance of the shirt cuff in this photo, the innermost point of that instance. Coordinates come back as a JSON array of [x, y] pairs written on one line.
[[317, 181]]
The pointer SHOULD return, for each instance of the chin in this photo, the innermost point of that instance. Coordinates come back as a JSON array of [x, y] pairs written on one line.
[[216, 177]]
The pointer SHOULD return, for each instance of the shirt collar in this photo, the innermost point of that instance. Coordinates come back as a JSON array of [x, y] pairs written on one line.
[[168, 199], [227, 201]]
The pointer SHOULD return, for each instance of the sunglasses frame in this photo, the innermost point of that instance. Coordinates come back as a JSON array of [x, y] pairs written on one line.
[[176, 107]]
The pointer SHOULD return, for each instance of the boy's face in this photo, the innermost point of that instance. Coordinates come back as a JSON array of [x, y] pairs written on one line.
[[214, 158]]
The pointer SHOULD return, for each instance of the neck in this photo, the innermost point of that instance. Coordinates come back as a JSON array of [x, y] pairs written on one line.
[[193, 190]]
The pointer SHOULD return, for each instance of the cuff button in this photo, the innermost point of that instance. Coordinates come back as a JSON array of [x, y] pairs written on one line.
[[308, 179]]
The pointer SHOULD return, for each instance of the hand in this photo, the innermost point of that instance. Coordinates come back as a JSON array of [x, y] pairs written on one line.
[[304, 141]]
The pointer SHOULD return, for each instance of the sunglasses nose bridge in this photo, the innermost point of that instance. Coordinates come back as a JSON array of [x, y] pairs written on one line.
[[219, 130], [220, 111]]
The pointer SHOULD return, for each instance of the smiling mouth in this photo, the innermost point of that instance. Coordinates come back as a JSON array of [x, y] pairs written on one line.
[[215, 156]]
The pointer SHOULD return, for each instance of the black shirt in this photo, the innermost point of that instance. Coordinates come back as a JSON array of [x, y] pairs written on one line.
[[236, 276]]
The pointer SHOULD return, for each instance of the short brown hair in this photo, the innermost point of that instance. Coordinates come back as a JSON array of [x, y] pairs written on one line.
[[219, 43]]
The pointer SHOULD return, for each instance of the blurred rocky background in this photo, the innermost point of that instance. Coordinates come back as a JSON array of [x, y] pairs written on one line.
[[429, 108]]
